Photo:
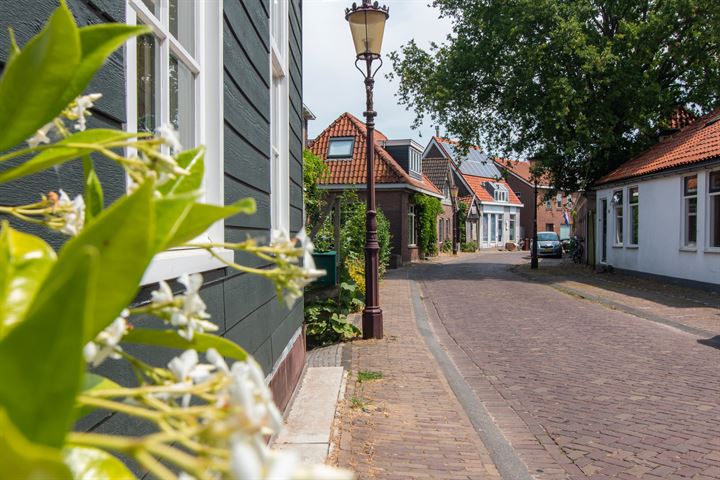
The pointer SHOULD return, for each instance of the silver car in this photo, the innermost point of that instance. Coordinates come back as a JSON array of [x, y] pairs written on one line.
[[549, 245]]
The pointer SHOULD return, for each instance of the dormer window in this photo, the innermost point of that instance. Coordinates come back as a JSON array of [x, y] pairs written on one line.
[[500, 193], [341, 147], [415, 161]]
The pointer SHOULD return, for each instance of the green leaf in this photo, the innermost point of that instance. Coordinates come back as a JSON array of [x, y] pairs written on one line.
[[93, 464], [122, 235], [23, 460], [200, 342], [201, 216], [41, 358], [93, 193], [61, 153], [90, 382], [25, 261], [34, 82], [170, 212], [98, 42], [193, 161]]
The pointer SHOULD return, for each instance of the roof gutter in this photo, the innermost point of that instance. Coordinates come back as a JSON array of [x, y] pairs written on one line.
[[379, 186], [659, 174]]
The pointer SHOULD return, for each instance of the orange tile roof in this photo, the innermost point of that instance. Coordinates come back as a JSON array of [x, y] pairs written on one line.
[[478, 186], [353, 171], [695, 143], [521, 169]]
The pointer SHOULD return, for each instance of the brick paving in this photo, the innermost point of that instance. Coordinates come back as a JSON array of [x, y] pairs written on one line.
[[407, 425], [579, 390]]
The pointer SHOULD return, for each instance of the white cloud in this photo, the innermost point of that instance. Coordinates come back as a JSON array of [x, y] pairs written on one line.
[[331, 83]]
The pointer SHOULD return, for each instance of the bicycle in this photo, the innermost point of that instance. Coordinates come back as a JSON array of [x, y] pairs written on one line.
[[576, 248]]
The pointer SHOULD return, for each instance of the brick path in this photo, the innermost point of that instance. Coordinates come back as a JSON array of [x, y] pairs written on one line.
[[580, 390], [408, 425], [695, 308]]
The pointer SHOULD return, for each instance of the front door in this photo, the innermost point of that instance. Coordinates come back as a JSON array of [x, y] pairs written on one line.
[[603, 229]]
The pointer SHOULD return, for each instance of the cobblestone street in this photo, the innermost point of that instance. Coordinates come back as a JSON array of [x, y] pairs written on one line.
[[578, 389]]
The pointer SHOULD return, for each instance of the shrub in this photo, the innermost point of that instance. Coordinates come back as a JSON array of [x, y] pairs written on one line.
[[352, 232], [427, 210], [446, 246], [468, 247]]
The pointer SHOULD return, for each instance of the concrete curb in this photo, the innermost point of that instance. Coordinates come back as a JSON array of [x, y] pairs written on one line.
[[510, 466]]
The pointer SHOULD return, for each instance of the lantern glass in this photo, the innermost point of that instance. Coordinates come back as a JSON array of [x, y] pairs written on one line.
[[367, 28], [454, 190]]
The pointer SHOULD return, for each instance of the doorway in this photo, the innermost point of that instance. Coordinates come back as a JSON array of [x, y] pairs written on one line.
[[603, 230]]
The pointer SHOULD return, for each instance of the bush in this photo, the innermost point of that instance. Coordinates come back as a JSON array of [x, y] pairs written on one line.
[[352, 232], [468, 247], [446, 246], [327, 320], [427, 210]]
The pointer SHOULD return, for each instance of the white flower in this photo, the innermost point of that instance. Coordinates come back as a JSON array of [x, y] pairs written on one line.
[[163, 295], [41, 136], [245, 462], [169, 136], [189, 371], [250, 393], [188, 311], [106, 343], [80, 109], [254, 461], [279, 238], [72, 211], [216, 360]]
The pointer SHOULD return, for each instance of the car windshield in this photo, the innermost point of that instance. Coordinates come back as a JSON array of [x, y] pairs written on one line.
[[547, 237]]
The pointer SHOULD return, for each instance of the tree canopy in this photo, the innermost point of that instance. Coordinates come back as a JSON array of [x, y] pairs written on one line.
[[580, 85]]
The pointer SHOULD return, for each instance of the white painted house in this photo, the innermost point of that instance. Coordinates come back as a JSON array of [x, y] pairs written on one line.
[[659, 213]]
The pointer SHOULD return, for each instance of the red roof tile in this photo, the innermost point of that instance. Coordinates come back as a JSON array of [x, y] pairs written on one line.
[[695, 143], [522, 170], [681, 118], [478, 186], [353, 171]]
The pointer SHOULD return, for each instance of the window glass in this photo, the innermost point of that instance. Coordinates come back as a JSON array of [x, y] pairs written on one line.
[[548, 204], [153, 6], [547, 237], [714, 183], [549, 227], [558, 198], [634, 200], [618, 200], [485, 228], [146, 77], [512, 228], [412, 232], [182, 101], [341, 147], [691, 185], [182, 23]]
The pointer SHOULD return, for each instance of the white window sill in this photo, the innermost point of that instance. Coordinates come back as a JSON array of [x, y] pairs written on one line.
[[689, 249], [618, 246], [173, 263], [712, 250], [635, 247]]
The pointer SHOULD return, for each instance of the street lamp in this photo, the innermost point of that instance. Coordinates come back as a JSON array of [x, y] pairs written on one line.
[[367, 25], [456, 230], [534, 253]]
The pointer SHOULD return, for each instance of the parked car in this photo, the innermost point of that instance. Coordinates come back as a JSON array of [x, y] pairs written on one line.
[[549, 245]]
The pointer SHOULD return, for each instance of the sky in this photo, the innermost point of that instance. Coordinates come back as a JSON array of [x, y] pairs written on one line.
[[331, 83]]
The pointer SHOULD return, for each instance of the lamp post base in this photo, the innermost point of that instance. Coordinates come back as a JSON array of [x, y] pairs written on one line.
[[372, 323]]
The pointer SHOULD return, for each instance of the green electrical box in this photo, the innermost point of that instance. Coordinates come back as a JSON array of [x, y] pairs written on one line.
[[326, 261]]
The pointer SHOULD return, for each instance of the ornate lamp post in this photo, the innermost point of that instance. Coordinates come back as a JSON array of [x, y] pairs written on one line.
[[534, 253], [367, 25], [454, 190]]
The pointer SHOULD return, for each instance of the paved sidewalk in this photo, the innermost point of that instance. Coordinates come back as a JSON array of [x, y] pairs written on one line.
[[697, 309], [408, 424]]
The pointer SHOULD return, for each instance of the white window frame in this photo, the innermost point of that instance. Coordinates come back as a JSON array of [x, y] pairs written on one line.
[[558, 200], [684, 245], [279, 118], [616, 207], [709, 211], [630, 228], [412, 226], [207, 64]]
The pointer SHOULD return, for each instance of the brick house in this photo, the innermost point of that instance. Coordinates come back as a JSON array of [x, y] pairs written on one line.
[[493, 208], [398, 175], [659, 213], [554, 211]]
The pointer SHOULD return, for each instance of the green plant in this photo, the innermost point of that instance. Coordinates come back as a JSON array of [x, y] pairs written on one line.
[[468, 247], [352, 232], [462, 220], [63, 313], [313, 169], [427, 210], [327, 323], [446, 246], [368, 375]]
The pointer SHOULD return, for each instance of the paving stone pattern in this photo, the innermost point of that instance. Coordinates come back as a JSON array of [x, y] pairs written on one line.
[[408, 425], [580, 390]]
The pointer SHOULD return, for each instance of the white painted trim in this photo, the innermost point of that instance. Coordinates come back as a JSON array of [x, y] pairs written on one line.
[[207, 66], [279, 120], [173, 263]]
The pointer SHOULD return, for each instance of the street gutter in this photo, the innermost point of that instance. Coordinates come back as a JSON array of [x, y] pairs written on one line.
[[503, 455]]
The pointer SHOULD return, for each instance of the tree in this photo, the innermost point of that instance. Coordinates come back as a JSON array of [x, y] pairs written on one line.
[[313, 169], [580, 85]]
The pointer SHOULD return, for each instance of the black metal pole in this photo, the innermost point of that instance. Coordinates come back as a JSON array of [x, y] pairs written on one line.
[[456, 230], [372, 317], [534, 253]]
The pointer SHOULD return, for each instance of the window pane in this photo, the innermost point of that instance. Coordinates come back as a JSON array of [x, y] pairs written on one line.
[[691, 222], [691, 185], [635, 223], [618, 224], [279, 16], [341, 147], [634, 196], [182, 102], [146, 98], [715, 221], [485, 228], [182, 21], [153, 6], [714, 182]]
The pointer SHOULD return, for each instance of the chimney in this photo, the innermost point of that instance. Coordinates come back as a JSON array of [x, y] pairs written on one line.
[[437, 130]]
